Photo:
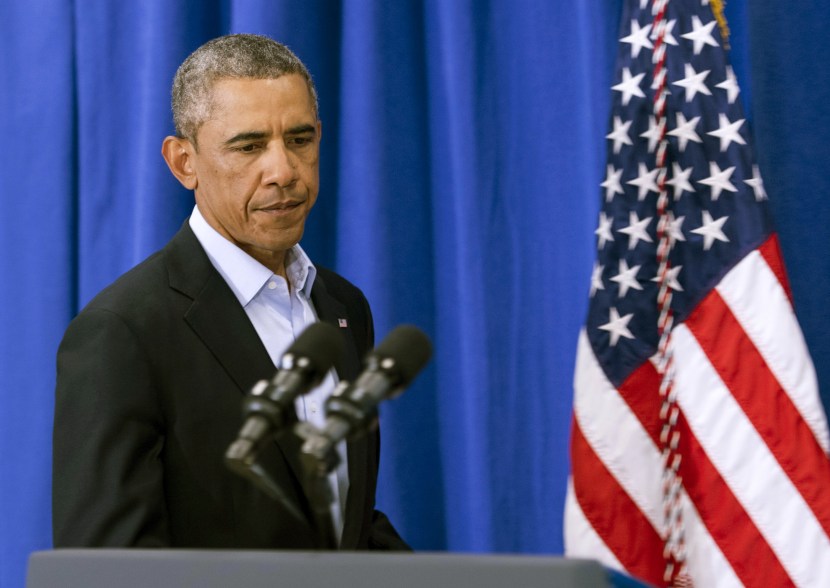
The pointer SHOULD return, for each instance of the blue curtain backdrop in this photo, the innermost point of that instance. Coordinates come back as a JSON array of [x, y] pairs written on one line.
[[463, 146]]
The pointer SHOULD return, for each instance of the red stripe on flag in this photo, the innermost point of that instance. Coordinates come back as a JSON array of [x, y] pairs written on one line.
[[771, 252], [730, 526], [766, 404], [612, 513], [753, 560], [641, 391]]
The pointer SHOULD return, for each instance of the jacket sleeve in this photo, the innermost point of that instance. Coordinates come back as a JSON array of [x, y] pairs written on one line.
[[107, 475]]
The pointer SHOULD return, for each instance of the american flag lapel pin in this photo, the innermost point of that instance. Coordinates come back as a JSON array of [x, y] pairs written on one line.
[[343, 323]]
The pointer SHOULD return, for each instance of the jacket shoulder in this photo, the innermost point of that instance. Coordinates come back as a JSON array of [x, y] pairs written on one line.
[[338, 286], [329, 286], [181, 267]]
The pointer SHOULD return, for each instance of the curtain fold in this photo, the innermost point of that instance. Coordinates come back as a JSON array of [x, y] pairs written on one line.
[[38, 191], [384, 233], [463, 147]]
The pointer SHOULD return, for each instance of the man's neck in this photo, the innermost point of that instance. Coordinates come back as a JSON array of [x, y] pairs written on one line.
[[273, 260]]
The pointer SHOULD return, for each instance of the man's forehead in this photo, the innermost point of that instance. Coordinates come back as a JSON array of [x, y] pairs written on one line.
[[290, 87], [246, 105]]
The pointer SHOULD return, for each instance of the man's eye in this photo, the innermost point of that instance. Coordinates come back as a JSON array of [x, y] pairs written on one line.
[[300, 141], [246, 147]]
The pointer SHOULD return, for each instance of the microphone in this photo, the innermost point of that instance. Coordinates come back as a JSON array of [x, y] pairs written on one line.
[[352, 408], [270, 404]]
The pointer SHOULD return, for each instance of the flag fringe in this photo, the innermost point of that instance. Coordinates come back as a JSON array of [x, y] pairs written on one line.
[[717, 11]]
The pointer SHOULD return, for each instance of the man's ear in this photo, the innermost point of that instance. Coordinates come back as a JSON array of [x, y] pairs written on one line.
[[178, 153]]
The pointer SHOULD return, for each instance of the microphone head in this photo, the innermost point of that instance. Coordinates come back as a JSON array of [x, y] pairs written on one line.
[[317, 349], [404, 352]]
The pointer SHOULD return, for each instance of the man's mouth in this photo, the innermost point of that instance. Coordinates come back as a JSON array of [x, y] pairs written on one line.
[[281, 206]]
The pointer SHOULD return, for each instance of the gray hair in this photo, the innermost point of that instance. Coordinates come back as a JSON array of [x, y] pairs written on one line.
[[231, 56]]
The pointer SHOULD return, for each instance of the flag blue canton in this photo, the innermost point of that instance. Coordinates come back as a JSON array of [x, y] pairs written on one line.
[[716, 195]]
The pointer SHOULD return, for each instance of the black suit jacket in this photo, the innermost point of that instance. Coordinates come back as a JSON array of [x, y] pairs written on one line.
[[151, 376]]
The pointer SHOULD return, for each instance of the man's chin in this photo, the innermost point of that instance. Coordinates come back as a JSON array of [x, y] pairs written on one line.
[[274, 242]]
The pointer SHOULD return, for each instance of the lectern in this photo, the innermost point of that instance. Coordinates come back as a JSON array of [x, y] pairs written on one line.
[[142, 568]]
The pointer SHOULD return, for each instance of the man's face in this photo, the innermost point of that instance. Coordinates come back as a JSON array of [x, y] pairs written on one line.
[[257, 165]]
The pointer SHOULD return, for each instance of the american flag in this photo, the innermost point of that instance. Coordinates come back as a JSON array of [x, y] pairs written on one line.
[[699, 442]]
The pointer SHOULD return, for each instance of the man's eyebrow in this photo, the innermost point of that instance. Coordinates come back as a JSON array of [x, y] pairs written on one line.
[[301, 130], [259, 135], [247, 136]]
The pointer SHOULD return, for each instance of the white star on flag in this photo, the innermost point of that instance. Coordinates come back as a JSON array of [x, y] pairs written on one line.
[[757, 184], [685, 131], [680, 180], [617, 326], [728, 132], [627, 278], [630, 86], [671, 278], [596, 279], [612, 183], [638, 38], [675, 232], [730, 84], [646, 180], [711, 230], [653, 133], [718, 181], [636, 230], [693, 82], [719, 306], [603, 231], [620, 134], [668, 38], [701, 34]]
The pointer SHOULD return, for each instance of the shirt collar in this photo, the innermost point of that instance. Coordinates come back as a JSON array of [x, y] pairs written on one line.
[[244, 274]]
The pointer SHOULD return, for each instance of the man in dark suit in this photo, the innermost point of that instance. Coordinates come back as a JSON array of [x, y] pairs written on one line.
[[151, 374]]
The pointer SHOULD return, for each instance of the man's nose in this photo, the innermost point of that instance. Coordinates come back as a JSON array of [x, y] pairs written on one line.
[[280, 166]]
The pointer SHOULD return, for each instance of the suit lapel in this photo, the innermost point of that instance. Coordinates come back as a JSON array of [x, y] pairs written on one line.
[[221, 323], [215, 314], [218, 319], [332, 311]]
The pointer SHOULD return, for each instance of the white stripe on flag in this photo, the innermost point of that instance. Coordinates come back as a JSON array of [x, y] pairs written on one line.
[[704, 559], [755, 296], [748, 467], [580, 538], [706, 562], [616, 435]]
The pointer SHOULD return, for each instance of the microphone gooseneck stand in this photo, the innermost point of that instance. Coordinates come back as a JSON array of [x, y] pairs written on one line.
[[319, 456], [351, 412], [269, 413], [241, 459]]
